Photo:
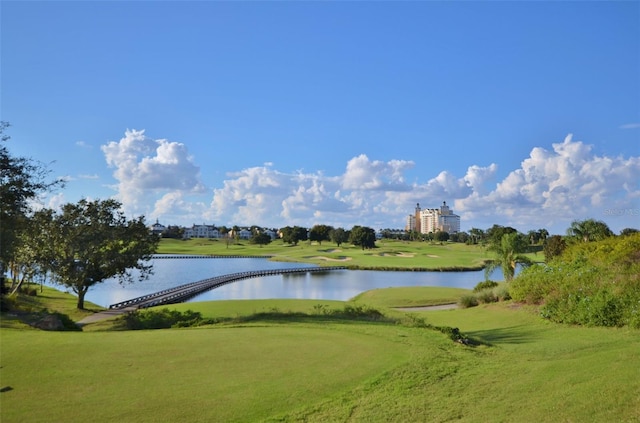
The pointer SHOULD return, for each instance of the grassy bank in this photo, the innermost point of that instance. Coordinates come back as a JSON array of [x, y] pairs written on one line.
[[390, 254], [319, 370], [28, 309]]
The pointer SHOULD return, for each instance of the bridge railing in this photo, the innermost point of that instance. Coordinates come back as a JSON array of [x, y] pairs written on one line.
[[183, 292]]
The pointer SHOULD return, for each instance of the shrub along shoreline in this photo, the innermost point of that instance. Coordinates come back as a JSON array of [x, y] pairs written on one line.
[[591, 284]]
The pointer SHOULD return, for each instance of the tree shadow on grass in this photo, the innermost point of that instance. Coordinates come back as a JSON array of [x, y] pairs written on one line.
[[519, 334]]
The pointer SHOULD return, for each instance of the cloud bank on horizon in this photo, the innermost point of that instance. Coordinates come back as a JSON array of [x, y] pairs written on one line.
[[552, 187]]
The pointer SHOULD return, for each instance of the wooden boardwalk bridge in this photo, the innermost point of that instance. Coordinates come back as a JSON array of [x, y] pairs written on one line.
[[182, 293]]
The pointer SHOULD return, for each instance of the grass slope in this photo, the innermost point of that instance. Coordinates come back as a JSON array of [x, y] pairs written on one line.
[[47, 300], [527, 370]]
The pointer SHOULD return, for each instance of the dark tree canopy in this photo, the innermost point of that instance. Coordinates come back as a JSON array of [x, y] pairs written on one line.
[[92, 241], [339, 235], [459, 237], [553, 247], [476, 235], [293, 235], [260, 238], [320, 233], [588, 230], [441, 236], [495, 233], [628, 231], [21, 180], [363, 236], [173, 231]]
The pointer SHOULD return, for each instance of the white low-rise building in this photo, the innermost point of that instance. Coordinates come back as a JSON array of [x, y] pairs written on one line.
[[244, 234], [201, 231]]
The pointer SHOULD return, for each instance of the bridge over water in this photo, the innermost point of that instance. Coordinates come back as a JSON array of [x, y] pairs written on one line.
[[184, 292]]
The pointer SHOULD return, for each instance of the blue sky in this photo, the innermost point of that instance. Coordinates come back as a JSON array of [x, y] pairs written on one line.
[[279, 113]]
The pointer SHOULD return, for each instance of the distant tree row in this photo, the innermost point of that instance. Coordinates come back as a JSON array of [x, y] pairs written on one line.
[[361, 236]]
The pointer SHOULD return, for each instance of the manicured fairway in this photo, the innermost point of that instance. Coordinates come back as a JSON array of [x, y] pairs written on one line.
[[187, 375], [389, 254], [315, 369]]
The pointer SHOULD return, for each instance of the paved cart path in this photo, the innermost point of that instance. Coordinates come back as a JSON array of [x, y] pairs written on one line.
[[429, 308], [104, 315]]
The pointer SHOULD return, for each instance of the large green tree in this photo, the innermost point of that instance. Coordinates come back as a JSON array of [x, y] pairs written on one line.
[[92, 241], [494, 234], [293, 235], [508, 253], [338, 236], [320, 233], [260, 238], [363, 236], [21, 181], [32, 250]]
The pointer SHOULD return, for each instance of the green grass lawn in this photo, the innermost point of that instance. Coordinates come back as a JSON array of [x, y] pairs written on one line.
[[414, 296], [526, 369], [390, 254], [204, 374]]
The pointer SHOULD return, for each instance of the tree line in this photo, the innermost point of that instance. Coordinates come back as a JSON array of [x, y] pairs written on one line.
[[361, 236]]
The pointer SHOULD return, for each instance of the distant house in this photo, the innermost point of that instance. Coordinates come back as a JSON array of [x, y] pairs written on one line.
[[244, 234], [273, 234], [201, 231], [157, 228]]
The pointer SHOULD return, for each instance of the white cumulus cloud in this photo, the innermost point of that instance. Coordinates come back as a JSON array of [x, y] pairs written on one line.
[[569, 182], [550, 188], [146, 168]]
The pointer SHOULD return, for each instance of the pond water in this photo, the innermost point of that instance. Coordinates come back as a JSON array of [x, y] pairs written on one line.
[[331, 285]]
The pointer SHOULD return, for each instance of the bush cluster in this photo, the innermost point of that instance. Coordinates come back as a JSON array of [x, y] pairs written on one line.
[[483, 293], [166, 318], [351, 311], [163, 319], [592, 284]]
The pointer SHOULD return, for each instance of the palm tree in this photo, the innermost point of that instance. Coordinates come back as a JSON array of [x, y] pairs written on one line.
[[508, 254], [476, 235], [543, 234], [589, 230]]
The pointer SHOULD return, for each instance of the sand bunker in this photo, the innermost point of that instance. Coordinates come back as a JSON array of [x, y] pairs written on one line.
[[331, 250], [406, 255], [331, 259], [431, 255]]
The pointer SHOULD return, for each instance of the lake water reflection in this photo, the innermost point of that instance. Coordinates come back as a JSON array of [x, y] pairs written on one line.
[[332, 285]]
